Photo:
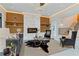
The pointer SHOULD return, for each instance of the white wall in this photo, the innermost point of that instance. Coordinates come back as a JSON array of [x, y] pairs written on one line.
[[2, 32], [56, 23], [29, 22], [54, 28], [66, 21], [66, 18], [3, 16], [34, 21]]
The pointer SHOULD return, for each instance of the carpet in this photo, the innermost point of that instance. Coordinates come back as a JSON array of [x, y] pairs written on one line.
[[54, 47]]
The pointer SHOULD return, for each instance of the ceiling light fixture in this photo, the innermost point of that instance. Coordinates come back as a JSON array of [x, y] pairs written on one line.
[[42, 4]]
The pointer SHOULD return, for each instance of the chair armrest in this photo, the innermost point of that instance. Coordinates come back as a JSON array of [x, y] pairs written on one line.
[[66, 40]]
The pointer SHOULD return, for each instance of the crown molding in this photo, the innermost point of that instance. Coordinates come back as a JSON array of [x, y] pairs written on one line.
[[66, 9], [3, 8], [26, 13], [46, 16], [15, 12]]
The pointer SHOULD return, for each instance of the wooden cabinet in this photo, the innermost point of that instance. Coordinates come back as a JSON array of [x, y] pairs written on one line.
[[44, 24], [14, 21]]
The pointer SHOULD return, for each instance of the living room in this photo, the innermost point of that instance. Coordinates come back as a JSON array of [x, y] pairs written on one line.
[[30, 22]]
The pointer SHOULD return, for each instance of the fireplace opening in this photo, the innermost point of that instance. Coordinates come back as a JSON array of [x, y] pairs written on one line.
[[32, 30]]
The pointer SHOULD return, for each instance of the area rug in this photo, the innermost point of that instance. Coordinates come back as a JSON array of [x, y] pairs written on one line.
[[54, 47]]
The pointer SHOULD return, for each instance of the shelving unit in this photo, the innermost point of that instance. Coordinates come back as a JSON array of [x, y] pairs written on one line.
[[44, 24], [14, 21]]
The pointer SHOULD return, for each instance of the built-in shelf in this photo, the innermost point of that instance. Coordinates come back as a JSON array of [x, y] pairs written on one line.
[[14, 21], [14, 26], [44, 24]]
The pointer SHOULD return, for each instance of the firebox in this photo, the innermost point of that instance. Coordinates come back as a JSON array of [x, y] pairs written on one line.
[[32, 30]]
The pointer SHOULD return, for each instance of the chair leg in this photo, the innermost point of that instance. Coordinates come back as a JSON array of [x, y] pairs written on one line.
[[62, 45], [74, 46]]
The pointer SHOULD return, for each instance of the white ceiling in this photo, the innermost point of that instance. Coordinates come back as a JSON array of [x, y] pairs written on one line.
[[34, 8]]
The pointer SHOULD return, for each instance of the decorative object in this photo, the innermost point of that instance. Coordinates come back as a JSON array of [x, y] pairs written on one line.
[[18, 30], [15, 44], [7, 52], [12, 47]]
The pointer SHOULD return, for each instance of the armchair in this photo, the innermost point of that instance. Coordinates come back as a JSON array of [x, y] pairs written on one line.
[[68, 41], [48, 34]]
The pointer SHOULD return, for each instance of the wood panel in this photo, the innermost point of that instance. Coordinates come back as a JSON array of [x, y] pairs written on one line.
[[44, 24]]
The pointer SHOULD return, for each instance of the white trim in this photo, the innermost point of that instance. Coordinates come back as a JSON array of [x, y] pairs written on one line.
[[2, 8], [64, 10]]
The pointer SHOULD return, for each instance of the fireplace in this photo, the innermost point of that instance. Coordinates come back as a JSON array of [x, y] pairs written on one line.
[[32, 30]]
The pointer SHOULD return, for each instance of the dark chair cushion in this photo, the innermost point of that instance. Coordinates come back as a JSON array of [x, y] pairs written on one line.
[[63, 37]]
